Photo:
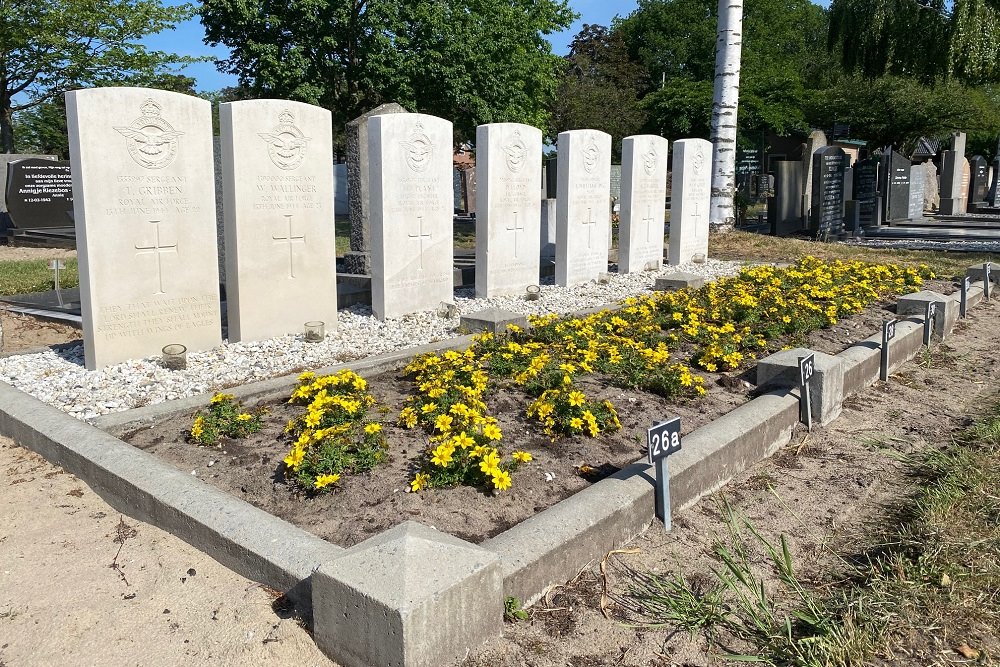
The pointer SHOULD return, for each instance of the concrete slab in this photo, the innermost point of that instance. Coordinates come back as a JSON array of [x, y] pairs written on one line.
[[678, 281], [826, 387], [410, 597], [493, 320], [915, 305]]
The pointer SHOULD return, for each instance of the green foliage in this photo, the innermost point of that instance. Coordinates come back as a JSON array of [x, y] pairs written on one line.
[[513, 611], [471, 61], [225, 417], [49, 47]]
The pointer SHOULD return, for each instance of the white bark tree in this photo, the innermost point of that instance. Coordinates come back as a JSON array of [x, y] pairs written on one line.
[[728, 53]]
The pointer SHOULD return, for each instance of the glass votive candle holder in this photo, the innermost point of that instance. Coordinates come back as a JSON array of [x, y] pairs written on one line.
[[533, 292], [698, 258], [315, 331], [174, 357]]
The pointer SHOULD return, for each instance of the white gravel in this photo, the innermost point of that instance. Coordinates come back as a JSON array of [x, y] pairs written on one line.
[[59, 378], [922, 244]]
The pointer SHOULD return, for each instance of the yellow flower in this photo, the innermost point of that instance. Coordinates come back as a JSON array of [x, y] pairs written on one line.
[[428, 408], [244, 417], [443, 423], [463, 440], [442, 455], [480, 450], [373, 428], [501, 480], [294, 458], [492, 432], [420, 481], [326, 480], [219, 398], [490, 462], [576, 398], [576, 423], [198, 428], [522, 457], [307, 377]]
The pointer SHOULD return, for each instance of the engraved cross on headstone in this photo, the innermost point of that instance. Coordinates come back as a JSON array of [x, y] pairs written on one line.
[[157, 250], [589, 223], [649, 220], [515, 229], [420, 236], [288, 240]]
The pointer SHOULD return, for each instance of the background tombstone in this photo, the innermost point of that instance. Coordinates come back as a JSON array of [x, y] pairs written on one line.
[[342, 204], [784, 209], [358, 259], [963, 191], [551, 177], [815, 142], [866, 192], [918, 179], [848, 183], [144, 202], [583, 206], [932, 188], [641, 228], [6, 159], [39, 194], [548, 230], [508, 213], [411, 213], [278, 187], [992, 198], [896, 175], [828, 193], [951, 177], [689, 203], [979, 184]]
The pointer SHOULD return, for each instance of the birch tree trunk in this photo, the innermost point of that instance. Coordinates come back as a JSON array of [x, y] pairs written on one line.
[[728, 52]]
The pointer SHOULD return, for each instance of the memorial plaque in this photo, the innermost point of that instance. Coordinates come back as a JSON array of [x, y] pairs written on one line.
[[866, 191], [278, 186], [410, 163], [583, 208], [689, 206], [896, 177], [144, 203], [980, 180], [508, 209], [644, 194], [918, 176], [39, 194], [827, 221]]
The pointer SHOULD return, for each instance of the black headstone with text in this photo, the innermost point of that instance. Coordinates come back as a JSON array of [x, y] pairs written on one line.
[[827, 218], [866, 190], [979, 186], [39, 194], [897, 186]]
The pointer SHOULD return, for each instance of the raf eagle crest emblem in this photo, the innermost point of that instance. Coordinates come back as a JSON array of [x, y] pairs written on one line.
[[151, 140], [286, 145]]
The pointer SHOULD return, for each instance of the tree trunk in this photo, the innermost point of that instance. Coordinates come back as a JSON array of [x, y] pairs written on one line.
[[6, 125], [728, 52]]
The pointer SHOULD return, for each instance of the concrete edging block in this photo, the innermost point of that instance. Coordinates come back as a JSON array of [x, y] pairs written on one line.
[[245, 539], [826, 387], [915, 305], [408, 597]]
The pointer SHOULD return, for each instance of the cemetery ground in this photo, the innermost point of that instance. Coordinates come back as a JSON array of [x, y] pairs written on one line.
[[894, 480]]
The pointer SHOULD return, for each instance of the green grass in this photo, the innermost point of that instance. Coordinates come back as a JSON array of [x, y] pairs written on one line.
[[929, 582], [23, 277]]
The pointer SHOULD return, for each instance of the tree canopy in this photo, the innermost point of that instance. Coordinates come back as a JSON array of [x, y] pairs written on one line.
[[471, 61], [50, 46]]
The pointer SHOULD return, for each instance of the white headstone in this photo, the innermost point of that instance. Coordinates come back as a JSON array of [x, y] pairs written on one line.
[[643, 201], [508, 210], [583, 208], [548, 231], [144, 203], [410, 161], [689, 203], [280, 239]]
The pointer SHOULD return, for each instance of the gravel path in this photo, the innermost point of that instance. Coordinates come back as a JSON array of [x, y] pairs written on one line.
[[59, 378], [919, 244]]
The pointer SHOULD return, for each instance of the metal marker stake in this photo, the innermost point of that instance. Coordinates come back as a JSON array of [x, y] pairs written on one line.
[[806, 369], [662, 440], [963, 309], [987, 279], [55, 265], [663, 492], [930, 319], [888, 333]]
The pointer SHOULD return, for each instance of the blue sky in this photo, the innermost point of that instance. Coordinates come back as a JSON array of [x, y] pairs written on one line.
[[187, 38]]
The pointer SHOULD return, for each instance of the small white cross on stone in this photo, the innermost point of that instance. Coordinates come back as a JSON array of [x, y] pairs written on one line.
[[289, 239], [157, 250], [420, 236], [589, 223], [649, 220], [516, 228]]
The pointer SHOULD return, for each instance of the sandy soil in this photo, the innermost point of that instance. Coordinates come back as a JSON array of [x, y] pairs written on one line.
[[61, 602], [9, 254], [25, 333], [830, 489]]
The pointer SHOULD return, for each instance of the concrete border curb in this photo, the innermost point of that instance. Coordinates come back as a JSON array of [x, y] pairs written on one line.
[[547, 549]]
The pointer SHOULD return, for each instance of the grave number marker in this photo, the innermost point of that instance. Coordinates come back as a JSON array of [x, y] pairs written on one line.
[[987, 280], [930, 320], [888, 333], [662, 440], [807, 368], [964, 306]]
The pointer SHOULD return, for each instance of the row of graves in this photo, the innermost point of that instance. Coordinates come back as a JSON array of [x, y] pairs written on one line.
[[884, 195], [145, 215]]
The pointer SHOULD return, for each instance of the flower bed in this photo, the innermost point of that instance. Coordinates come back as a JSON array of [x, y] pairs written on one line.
[[477, 440]]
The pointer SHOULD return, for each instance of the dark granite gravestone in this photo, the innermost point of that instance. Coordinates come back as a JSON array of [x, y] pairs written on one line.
[[456, 186], [979, 185], [896, 180], [551, 177], [358, 260], [992, 198], [918, 181], [39, 194], [616, 182], [784, 209], [866, 191], [827, 219]]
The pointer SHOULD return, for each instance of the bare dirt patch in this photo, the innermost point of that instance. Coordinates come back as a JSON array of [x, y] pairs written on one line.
[[15, 254], [27, 333], [252, 469]]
